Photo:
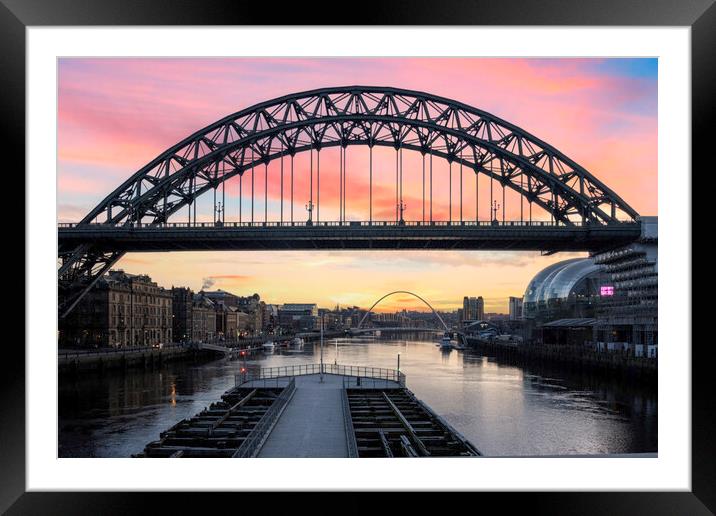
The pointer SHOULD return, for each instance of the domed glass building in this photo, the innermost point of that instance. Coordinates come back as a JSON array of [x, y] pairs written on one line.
[[566, 289]]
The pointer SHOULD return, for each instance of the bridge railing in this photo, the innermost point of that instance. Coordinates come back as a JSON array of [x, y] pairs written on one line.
[[374, 223], [265, 373]]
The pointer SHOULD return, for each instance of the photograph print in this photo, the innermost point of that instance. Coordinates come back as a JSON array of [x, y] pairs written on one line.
[[357, 257]]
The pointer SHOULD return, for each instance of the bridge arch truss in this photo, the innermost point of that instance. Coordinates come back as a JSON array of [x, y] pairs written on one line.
[[343, 117], [370, 116]]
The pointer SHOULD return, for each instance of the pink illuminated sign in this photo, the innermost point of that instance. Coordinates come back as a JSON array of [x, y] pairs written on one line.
[[606, 290]]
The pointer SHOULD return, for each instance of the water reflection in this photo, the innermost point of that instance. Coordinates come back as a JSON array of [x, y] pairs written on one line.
[[503, 408]]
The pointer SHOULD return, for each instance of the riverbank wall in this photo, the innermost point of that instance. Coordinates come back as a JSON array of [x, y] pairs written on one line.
[[572, 357], [75, 361]]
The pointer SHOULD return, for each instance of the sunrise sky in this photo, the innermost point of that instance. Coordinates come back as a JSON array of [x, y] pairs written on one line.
[[115, 115]]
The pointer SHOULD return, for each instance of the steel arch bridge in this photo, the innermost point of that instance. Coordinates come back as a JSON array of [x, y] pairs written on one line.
[[136, 216], [435, 313]]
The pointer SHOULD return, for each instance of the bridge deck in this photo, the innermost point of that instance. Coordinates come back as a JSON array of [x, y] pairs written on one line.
[[351, 235]]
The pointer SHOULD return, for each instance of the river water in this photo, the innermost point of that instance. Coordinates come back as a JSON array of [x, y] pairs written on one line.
[[503, 409]]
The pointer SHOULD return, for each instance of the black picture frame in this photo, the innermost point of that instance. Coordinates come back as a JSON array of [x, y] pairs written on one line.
[[17, 15]]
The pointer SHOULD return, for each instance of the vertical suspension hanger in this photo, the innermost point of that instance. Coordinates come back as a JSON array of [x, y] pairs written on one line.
[[252, 185], [423, 206], [340, 183], [492, 200], [503, 201], [292, 156], [223, 194], [191, 192], [461, 187], [450, 191], [477, 197], [522, 198], [401, 184], [529, 199], [396, 184], [431, 188], [370, 182]]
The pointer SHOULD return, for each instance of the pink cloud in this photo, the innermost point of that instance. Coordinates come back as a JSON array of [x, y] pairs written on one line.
[[115, 115]]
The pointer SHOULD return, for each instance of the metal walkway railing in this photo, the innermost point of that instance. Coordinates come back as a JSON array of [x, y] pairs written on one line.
[[251, 446], [264, 373], [348, 423]]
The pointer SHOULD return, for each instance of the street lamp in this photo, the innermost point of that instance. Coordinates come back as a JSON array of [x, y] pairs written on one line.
[[399, 363]]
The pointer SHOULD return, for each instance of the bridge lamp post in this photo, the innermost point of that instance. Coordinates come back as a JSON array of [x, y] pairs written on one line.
[[309, 209], [219, 210], [495, 207], [398, 365], [401, 207]]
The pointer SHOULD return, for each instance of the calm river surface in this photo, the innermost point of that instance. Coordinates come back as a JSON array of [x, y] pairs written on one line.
[[503, 409]]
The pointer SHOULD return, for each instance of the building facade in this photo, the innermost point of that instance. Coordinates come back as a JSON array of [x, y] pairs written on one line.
[[612, 297], [121, 310], [269, 318], [240, 316], [252, 306], [243, 323], [227, 322], [298, 317], [391, 320], [628, 314], [566, 289], [515, 308], [473, 309], [221, 296], [203, 319], [182, 312]]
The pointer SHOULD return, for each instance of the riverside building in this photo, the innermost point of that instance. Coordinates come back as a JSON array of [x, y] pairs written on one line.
[[121, 310]]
